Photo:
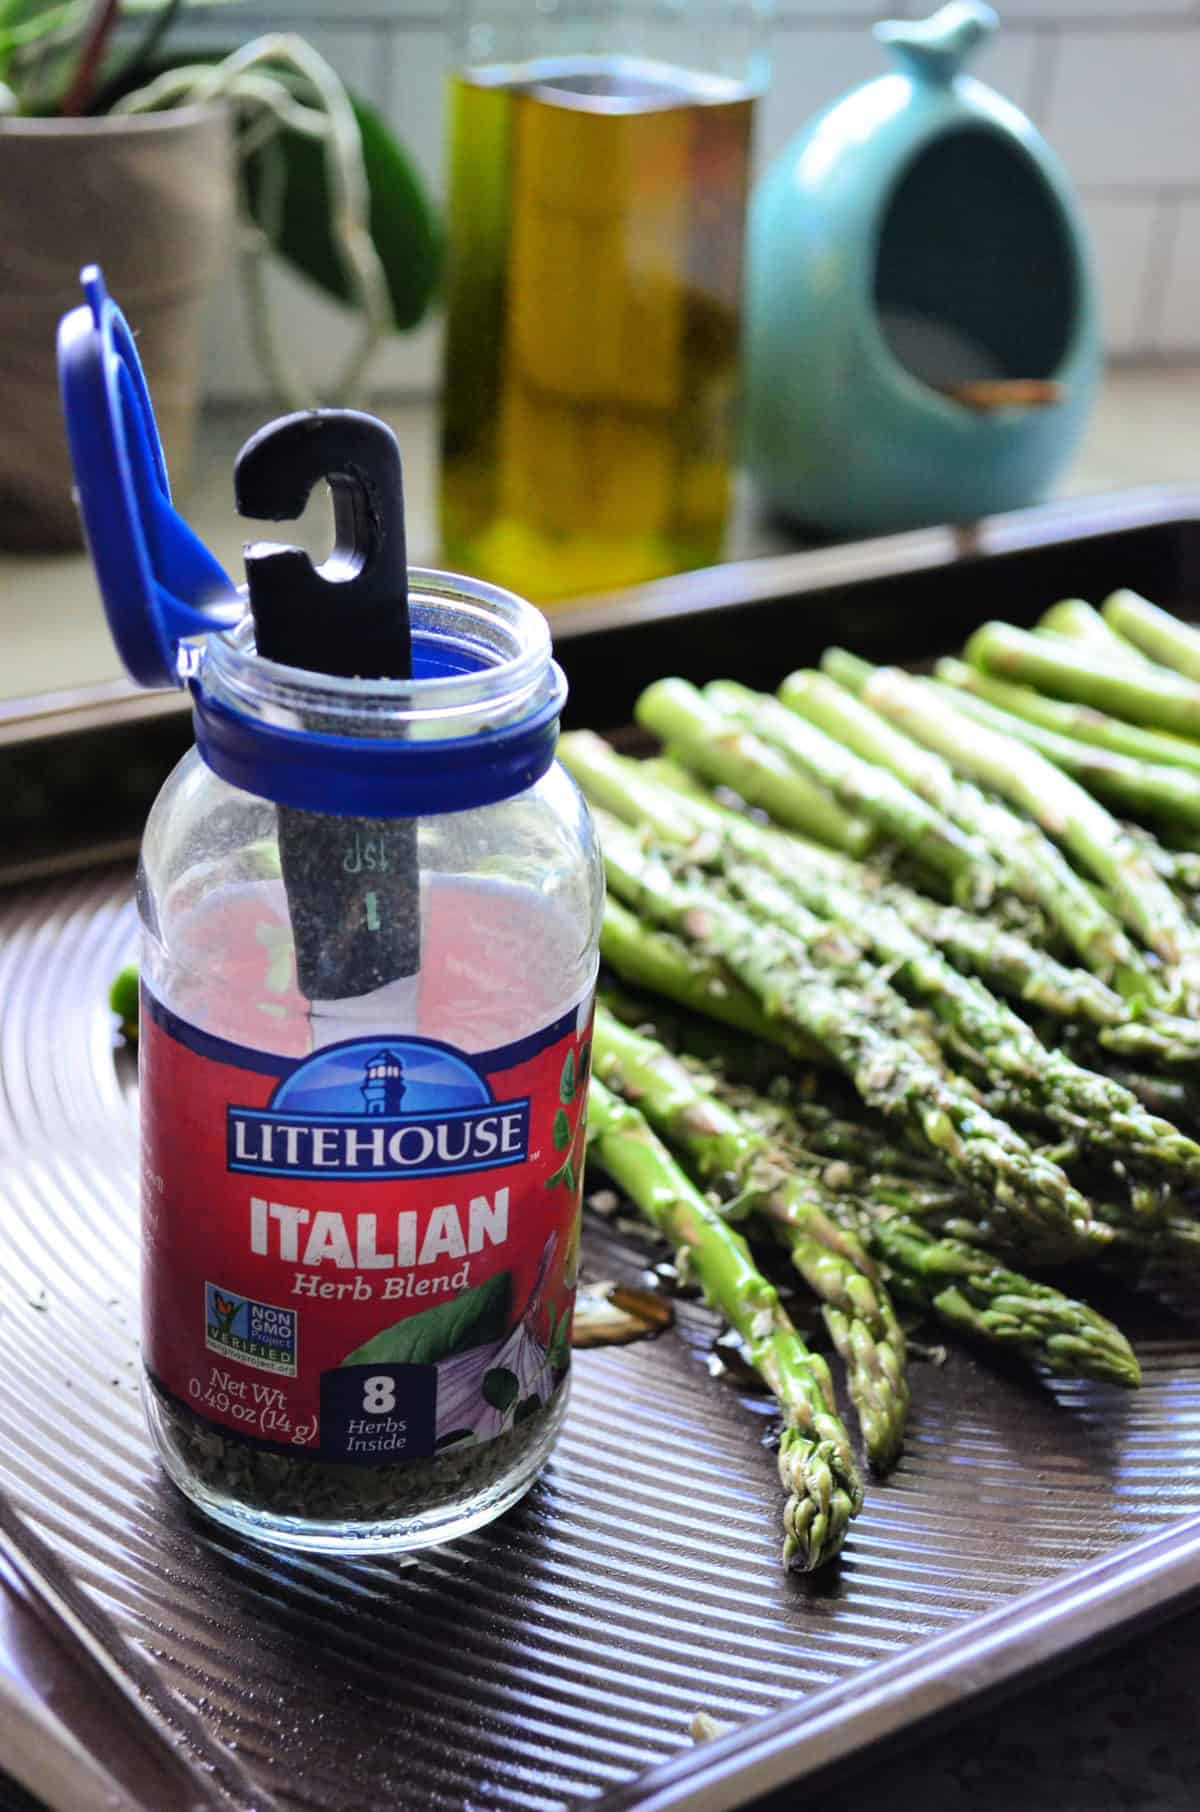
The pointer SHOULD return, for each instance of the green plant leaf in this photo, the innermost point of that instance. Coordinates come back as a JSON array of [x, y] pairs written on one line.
[[470, 1320], [566, 1082], [404, 225], [562, 1131], [500, 1388]]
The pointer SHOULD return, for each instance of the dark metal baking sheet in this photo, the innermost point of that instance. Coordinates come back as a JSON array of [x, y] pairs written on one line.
[[557, 1658], [561, 1654]]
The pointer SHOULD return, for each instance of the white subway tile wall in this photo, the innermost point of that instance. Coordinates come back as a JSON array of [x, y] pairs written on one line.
[[1178, 324], [1114, 84]]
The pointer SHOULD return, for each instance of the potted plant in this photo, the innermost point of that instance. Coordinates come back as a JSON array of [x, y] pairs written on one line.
[[114, 149]]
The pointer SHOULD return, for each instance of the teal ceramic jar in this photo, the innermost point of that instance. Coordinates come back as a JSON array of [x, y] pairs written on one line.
[[917, 236]]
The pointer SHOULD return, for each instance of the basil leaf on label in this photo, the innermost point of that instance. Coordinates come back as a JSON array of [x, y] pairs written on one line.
[[566, 1085], [567, 1174], [473, 1318], [562, 1131], [585, 1058], [500, 1388]]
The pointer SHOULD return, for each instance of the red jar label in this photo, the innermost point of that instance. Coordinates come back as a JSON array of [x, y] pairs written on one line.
[[367, 1253]]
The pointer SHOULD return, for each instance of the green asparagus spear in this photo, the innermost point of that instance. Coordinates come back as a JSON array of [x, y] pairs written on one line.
[[1081, 723], [1126, 1238], [1056, 802], [1007, 961], [1158, 699], [815, 1460], [1031, 864], [1008, 1051], [1155, 632], [1123, 1242], [844, 669], [1075, 621], [693, 1037], [810, 1129], [974, 1294], [1010, 963], [847, 1160], [1165, 1095], [653, 958], [694, 978], [955, 1280], [679, 714], [625, 787], [737, 1160], [634, 792], [1141, 787], [888, 1068], [865, 788], [1181, 867]]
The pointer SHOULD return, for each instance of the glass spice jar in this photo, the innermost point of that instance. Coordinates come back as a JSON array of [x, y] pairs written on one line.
[[370, 914]]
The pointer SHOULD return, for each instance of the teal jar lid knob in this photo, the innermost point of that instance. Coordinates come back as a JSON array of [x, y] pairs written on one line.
[[935, 49]]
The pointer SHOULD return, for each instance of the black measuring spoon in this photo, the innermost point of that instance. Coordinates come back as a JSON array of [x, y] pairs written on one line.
[[351, 882]]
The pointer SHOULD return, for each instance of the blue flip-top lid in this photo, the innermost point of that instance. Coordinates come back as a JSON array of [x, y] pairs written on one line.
[[164, 592], [160, 584]]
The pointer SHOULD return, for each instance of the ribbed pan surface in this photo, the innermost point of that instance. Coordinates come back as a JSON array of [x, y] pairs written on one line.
[[563, 1651]]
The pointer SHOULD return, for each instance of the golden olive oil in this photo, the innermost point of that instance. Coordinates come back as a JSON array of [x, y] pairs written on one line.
[[596, 225]]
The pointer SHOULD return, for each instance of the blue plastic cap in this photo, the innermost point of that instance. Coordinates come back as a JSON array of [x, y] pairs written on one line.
[[159, 583]]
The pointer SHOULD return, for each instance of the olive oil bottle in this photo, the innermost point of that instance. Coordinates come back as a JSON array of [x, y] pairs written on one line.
[[596, 225]]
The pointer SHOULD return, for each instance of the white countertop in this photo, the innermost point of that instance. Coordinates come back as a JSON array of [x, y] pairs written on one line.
[[1145, 430]]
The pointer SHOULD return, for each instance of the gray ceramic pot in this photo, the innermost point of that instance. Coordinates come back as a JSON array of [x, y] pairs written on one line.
[[151, 199]]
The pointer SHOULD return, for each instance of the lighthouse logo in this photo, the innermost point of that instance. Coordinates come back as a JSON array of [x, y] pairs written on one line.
[[379, 1109], [383, 1085]]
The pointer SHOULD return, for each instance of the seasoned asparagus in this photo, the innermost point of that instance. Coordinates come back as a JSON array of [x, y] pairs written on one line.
[[1008, 961], [974, 1294], [1076, 621], [1063, 809], [816, 1464], [680, 715], [1129, 784], [652, 958], [954, 1279], [1159, 699], [1155, 632], [628, 788], [736, 1159], [892, 807], [1007, 1050], [633, 791], [1081, 723], [888, 1068], [1031, 862]]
